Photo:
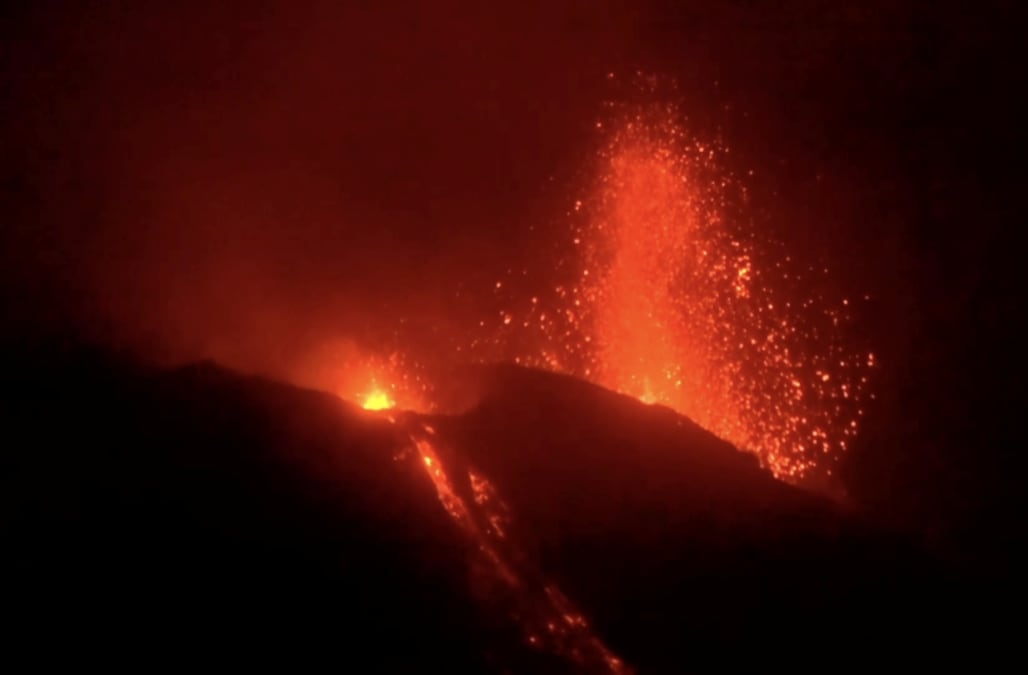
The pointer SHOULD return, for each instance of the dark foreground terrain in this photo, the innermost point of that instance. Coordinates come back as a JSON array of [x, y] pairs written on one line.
[[196, 511]]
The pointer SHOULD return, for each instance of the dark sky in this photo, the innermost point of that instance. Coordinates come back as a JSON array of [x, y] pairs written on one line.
[[247, 179], [187, 161]]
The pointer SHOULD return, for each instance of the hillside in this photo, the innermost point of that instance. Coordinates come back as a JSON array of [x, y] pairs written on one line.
[[197, 508]]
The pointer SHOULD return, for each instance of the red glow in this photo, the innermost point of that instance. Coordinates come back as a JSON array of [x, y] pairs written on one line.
[[683, 312], [549, 620], [672, 301], [676, 300], [363, 377], [670, 295], [378, 399]]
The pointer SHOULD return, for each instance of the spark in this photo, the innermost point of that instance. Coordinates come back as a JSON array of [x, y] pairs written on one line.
[[673, 297], [665, 288]]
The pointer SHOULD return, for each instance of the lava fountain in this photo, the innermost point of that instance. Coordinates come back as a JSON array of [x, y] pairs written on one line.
[[688, 308], [549, 621], [675, 297], [668, 290], [671, 296], [377, 399]]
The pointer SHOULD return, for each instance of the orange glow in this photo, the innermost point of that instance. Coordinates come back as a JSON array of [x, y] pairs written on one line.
[[668, 298], [684, 314], [673, 297], [367, 378], [549, 620], [448, 496], [658, 298], [665, 290], [688, 309], [378, 400]]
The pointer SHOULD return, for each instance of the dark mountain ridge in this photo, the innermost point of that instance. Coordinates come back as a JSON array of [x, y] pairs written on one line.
[[195, 508]]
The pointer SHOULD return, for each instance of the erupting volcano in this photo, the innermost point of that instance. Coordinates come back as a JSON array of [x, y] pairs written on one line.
[[673, 299], [647, 337], [666, 290], [686, 304], [377, 400]]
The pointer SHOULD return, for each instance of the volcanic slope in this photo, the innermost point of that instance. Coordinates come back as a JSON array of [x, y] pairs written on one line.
[[198, 508], [679, 548]]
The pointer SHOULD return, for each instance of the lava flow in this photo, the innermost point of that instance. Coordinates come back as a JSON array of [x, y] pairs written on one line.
[[672, 299], [548, 619]]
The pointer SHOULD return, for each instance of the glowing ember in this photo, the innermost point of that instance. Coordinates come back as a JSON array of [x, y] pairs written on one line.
[[664, 291], [378, 400], [684, 313], [673, 299], [373, 381]]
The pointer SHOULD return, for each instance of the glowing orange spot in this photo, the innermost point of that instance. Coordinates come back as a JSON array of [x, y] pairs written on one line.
[[378, 400]]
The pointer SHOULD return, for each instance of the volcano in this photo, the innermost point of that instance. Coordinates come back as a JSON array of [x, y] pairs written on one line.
[[550, 526], [512, 337]]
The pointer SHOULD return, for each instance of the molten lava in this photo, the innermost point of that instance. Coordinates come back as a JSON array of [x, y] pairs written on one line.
[[674, 298], [547, 618], [378, 400], [357, 374], [665, 291], [668, 295], [689, 310]]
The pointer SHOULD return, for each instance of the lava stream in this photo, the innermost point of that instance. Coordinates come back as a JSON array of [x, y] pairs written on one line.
[[548, 619]]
